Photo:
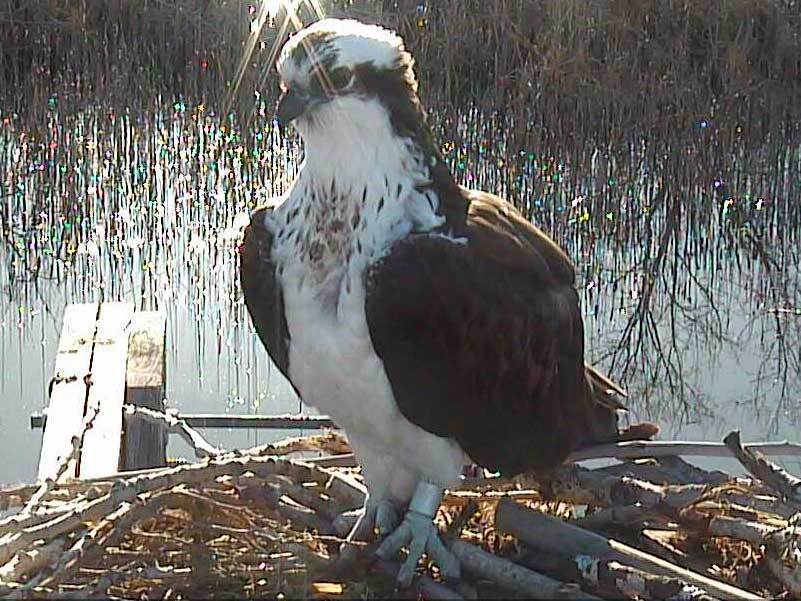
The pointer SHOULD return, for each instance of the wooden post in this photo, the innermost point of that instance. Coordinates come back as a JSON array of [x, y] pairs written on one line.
[[68, 390], [100, 452], [145, 443]]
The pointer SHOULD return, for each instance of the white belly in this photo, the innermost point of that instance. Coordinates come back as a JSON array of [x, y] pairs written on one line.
[[335, 368]]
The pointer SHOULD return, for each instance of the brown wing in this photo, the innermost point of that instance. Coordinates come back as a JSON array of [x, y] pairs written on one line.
[[482, 340], [263, 296]]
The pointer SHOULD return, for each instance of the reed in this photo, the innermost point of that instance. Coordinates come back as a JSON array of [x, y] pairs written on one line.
[[576, 67]]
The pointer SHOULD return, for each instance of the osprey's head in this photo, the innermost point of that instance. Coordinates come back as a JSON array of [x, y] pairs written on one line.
[[342, 75]]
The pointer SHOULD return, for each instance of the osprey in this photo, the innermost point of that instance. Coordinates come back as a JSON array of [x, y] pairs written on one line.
[[433, 323]]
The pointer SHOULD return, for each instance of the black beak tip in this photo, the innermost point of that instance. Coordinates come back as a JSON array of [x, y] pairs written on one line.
[[290, 107]]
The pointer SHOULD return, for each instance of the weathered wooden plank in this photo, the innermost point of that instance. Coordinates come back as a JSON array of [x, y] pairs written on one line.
[[68, 388], [146, 378], [100, 453]]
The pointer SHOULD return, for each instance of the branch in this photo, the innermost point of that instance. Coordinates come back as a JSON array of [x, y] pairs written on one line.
[[636, 449], [512, 576], [555, 537], [174, 425], [765, 470]]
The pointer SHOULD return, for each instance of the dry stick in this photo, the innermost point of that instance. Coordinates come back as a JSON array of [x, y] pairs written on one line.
[[746, 530], [635, 449], [768, 472], [174, 425], [619, 515], [328, 507], [513, 577], [562, 539]]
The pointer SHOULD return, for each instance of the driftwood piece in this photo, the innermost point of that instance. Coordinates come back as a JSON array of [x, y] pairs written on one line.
[[777, 478], [69, 387], [513, 577], [102, 444], [557, 537]]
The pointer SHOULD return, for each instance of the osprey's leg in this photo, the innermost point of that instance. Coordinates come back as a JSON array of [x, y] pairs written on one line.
[[419, 532]]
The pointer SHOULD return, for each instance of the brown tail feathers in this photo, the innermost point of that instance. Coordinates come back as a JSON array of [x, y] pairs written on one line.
[[605, 413]]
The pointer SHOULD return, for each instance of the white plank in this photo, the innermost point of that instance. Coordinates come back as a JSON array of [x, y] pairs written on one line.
[[100, 453], [68, 394]]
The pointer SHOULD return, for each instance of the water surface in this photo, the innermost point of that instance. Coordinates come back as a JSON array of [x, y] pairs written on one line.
[[687, 254]]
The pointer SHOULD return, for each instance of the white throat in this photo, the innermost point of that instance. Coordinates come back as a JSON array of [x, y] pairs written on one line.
[[357, 192]]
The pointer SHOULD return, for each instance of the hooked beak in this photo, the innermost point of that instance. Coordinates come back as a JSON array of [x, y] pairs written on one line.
[[290, 106]]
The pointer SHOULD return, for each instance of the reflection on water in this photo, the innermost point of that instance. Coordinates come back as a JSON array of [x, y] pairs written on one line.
[[687, 252]]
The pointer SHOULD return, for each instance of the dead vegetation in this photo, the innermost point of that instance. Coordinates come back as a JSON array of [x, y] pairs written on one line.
[[579, 67]]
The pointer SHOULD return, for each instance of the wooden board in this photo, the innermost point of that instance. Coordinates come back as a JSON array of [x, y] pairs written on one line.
[[100, 453], [145, 444], [69, 390]]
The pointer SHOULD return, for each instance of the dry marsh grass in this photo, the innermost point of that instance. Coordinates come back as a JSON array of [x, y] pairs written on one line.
[[582, 66]]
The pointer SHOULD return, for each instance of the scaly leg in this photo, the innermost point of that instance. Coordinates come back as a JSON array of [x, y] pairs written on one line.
[[418, 530]]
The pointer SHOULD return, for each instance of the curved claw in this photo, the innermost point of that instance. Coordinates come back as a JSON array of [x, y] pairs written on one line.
[[420, 533]]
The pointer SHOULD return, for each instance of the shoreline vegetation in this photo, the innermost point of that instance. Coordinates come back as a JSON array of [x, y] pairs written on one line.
[[577, 68]]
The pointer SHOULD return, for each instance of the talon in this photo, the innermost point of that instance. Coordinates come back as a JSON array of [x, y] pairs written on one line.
[[419, 532]]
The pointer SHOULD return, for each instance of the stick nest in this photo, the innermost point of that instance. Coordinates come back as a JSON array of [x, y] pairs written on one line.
[[259, 524]]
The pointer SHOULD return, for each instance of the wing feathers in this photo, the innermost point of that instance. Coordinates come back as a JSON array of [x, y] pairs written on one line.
[[483, 341]]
